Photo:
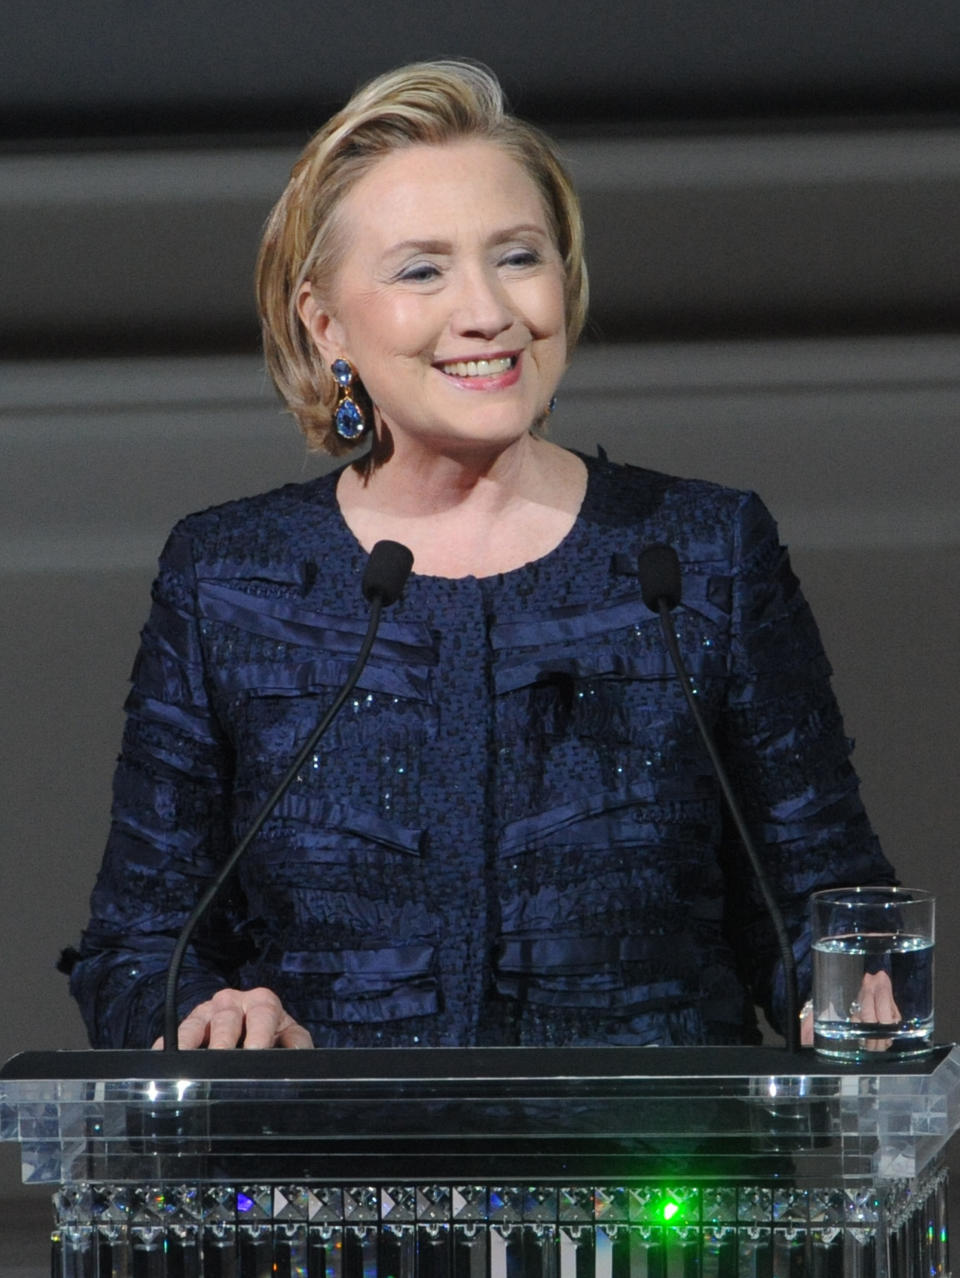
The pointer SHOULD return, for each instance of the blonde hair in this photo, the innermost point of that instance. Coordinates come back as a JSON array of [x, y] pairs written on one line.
[[423, 103]]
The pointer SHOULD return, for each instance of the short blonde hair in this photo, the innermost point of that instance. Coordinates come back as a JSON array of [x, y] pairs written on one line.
[[423, 103]]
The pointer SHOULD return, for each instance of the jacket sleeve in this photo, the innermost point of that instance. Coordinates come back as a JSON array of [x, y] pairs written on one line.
[[170, 829], [782, 737]]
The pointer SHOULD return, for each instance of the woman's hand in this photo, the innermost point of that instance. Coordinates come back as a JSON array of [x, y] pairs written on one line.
[[806, 1024], [874, 1003], [241, 1018]]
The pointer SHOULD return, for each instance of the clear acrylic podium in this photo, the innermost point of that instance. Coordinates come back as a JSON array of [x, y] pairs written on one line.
[[487, 1163]]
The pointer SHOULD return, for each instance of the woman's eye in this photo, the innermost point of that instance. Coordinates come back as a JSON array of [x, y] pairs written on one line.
[[421, 273], [521, 257]]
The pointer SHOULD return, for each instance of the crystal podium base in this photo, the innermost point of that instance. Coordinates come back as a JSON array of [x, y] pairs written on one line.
[[500, 1231], [487, 1163]]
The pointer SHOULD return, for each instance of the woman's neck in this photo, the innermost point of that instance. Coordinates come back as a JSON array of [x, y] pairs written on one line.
[[468, 515]]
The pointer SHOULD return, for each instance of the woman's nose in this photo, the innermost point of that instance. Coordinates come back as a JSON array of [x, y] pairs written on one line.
[[483, 306]]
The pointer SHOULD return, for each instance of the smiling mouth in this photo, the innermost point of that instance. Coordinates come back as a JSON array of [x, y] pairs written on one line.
[[479, 367]]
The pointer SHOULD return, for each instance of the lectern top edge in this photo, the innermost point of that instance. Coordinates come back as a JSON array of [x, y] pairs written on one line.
[[471, 1063]]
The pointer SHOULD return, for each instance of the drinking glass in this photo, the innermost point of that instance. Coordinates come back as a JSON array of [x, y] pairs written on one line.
[[872, 971]]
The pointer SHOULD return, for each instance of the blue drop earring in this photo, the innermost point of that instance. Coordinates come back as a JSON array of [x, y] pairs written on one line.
[[348, 420]]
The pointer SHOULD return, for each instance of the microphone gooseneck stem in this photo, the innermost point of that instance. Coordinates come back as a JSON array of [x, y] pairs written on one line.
[[170, 1018], [792, 1011]]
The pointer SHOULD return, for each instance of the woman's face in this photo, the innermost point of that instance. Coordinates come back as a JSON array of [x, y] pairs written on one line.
[[449, 301]]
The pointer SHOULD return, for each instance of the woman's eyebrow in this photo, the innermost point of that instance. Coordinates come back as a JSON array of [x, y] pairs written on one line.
[[445, 246]]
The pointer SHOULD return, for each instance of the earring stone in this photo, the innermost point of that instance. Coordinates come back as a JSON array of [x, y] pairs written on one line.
[[348, 419]]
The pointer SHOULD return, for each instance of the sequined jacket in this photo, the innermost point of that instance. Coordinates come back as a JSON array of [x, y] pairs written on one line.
[[512, 833]]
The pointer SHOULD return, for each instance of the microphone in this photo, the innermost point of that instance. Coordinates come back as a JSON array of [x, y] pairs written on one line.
[[384, 578], [386, 572], [660, 577], [660, 585]]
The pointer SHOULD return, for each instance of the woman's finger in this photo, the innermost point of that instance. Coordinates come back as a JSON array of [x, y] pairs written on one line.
[[294, 1035], [263, 1018], [877, 1005]]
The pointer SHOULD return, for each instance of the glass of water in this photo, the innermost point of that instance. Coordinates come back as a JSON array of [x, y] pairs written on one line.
[[872, 971]]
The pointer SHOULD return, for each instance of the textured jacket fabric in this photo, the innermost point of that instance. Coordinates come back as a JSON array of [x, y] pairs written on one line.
[[512, 833]]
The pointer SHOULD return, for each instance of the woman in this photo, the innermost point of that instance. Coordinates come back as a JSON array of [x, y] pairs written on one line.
[[512, 834]]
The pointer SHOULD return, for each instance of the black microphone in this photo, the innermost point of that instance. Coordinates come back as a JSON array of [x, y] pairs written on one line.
[[384, 578], [386, 572], [660, 577], [660, 585]]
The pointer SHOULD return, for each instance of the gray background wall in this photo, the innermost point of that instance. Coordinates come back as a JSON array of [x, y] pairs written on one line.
[[771, 208]]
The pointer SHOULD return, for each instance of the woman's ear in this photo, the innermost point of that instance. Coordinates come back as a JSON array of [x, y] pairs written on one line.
[[321, 325]]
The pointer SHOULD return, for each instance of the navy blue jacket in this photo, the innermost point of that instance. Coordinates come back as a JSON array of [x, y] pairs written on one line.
[[512, 833]]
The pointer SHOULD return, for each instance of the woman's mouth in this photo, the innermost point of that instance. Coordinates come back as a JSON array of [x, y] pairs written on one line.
[[479, 367]]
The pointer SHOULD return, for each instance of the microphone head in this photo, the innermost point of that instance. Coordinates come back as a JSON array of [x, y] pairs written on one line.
[[659, 571], [386, 572]]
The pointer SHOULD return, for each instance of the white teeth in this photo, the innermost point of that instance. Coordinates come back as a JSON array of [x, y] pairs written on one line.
[[479, 367]]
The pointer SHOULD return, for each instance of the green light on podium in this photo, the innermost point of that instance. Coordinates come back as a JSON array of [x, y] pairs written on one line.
[[669, 1210]]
